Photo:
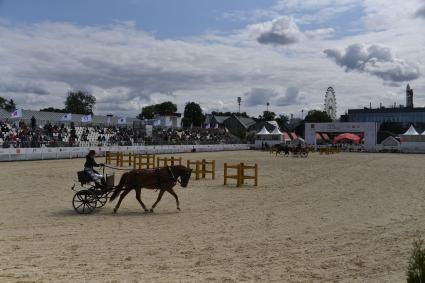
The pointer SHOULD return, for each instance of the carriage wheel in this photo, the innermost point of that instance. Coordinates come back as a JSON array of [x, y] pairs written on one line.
[[101, 200], [84, 202]]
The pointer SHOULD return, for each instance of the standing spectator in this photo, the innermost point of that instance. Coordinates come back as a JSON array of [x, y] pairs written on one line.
[[33, 122]]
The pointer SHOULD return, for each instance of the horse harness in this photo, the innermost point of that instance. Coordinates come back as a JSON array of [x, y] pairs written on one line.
[[171, 175]]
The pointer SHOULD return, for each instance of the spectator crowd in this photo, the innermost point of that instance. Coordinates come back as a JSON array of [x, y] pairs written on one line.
[[23, 135], [193, 136]]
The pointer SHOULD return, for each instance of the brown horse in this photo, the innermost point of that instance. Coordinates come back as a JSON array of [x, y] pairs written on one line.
[[162, 179]]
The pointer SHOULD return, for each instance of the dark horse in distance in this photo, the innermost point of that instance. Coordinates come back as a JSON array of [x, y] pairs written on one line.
[[281, 148], [162, 179]]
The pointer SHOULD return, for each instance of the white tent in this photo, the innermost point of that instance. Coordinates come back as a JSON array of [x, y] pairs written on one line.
[[390, 141], [411, 132], [263, 132], [276, 131]]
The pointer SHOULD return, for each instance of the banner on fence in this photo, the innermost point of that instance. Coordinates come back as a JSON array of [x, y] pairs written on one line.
[[72, 152]]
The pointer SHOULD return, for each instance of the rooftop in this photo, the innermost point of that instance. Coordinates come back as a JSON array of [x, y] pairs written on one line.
[[386, 110]]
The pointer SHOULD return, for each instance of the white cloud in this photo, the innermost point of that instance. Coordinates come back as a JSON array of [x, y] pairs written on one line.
[[127, 68], [284, 31], [421, 11], [320, 33], [259, 96], [375, 60], [389, 14], [291, 97], [280, 31]]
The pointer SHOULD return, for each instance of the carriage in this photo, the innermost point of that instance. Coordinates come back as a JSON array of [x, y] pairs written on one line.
[[297, 151], [88, 197]]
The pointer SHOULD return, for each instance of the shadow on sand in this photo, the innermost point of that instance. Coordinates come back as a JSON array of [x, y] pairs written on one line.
[[109, 212]]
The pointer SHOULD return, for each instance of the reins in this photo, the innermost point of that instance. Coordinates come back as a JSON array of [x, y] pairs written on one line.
[[115, 168], [170, 171]]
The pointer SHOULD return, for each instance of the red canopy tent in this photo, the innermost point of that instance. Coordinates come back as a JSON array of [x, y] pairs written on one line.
[[348, 136], [294, 136], [286, 136], [318, 137], [325, 136]]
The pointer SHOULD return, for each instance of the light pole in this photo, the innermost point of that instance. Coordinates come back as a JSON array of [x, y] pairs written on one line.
[[268, 104], [302, 114], [239, 104]]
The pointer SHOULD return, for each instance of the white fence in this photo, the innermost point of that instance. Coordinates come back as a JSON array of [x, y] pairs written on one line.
[[15, 154]]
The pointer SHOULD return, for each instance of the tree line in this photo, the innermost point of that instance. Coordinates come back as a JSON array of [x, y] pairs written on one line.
[[83, 102], [8, 105], [77, 102]]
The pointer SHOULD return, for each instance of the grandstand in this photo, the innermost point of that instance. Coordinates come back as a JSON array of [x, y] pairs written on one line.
[[36, 129]]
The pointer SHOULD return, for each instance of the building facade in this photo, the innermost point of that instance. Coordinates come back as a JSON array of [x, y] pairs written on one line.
[[382, 115], [402, 114]]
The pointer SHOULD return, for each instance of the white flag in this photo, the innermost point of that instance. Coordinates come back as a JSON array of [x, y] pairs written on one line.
[[207, 126], [216, 126], [122, 120], [17, 113], [66, 117], [86, 119]]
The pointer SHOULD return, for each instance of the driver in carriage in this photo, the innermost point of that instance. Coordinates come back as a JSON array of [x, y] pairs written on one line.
[[98, 179], [299, 146]]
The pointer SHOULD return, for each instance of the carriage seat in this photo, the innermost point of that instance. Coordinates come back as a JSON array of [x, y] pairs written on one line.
[[83, 177]]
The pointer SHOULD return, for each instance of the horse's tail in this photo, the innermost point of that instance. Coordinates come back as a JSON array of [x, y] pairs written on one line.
[[119, 188]]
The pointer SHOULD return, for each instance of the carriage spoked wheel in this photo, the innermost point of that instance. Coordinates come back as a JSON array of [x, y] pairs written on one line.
[[84, 202], [102, 196], [101, 200]]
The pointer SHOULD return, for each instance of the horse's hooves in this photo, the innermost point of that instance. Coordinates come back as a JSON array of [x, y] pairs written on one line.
[[178, 208]]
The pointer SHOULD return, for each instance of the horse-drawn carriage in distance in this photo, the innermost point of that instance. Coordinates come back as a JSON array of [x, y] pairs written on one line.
[[88, 196], [299, 150]]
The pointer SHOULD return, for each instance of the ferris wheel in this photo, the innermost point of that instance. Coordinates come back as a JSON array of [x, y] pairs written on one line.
[[330, 103]]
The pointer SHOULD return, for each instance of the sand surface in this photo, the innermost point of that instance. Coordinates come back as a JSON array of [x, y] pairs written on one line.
[[340, 218]]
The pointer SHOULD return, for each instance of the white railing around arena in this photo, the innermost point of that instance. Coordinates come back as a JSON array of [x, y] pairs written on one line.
[[16, 154]]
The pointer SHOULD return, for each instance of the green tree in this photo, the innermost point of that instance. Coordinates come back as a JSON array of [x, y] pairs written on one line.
[[52, 109], [9, 106], [416, 268], [80, 102], [267, 116], [148, 112], [193, 115], [317, 116], [282, 121], [165, 108], [3, 103]]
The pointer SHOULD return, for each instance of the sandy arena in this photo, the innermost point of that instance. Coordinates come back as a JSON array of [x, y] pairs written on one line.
[[340, 218]]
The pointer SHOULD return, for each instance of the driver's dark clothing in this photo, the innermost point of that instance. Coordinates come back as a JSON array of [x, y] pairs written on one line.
[[94, 175], [90, 162]]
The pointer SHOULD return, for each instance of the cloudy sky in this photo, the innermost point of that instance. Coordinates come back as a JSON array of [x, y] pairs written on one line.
[[131, 53]]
